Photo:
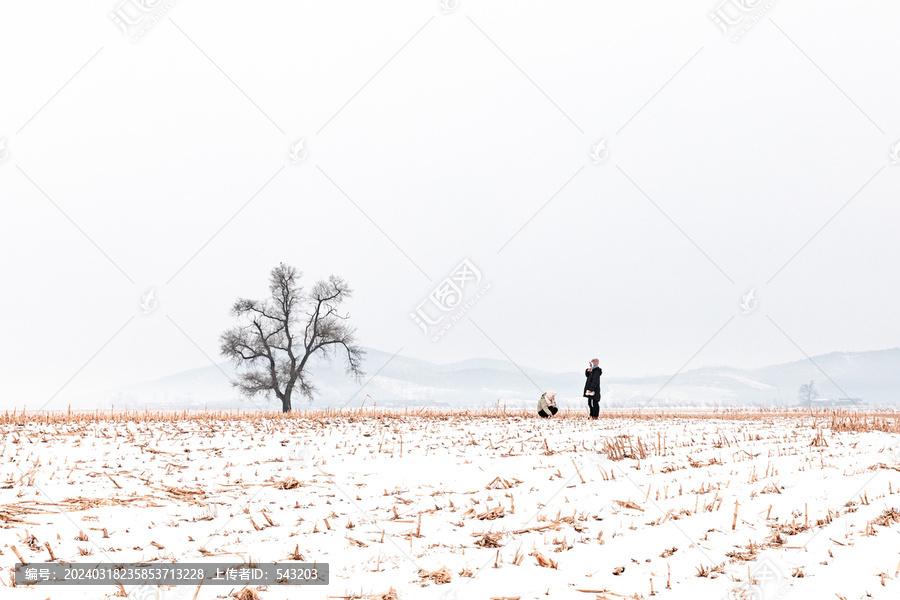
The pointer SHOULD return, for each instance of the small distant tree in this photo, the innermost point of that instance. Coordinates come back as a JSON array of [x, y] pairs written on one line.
[[279, 335], [807, 392]]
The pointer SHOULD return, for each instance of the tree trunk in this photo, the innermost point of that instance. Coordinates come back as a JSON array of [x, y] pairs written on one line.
[[286, 402]]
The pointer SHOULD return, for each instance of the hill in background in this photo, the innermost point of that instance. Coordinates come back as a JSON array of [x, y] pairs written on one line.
[[870, 376]]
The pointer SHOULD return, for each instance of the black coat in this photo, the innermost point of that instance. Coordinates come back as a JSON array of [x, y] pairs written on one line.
[[593, 381]]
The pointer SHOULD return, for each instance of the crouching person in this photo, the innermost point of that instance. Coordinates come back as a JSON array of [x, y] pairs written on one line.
[[547, 405]]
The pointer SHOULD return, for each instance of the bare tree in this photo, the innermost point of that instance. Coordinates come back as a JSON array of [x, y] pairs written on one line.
[[280, 334], [807, 393]]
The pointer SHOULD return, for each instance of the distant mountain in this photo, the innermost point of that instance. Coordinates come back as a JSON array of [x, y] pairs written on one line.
[[873, 376]]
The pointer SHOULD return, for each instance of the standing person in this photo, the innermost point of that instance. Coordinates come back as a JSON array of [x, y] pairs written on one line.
[[547, 405], [592, 387]]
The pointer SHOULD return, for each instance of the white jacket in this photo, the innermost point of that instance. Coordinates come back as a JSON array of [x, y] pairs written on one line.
[[547, 399]]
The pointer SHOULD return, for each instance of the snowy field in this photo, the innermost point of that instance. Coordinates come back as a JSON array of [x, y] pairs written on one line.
[[740, 505]]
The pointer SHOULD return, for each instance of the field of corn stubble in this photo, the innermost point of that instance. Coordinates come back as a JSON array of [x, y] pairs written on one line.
[[452, 505]]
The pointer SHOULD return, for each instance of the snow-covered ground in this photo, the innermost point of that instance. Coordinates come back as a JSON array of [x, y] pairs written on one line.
[[749, 506]]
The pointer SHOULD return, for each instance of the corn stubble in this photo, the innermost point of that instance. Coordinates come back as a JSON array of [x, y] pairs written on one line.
[[675, 466]]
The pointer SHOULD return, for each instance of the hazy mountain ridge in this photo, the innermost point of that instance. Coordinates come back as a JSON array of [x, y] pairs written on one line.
[[872, 376]]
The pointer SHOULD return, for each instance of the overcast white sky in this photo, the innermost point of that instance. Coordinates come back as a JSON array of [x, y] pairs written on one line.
[[447, 132]]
